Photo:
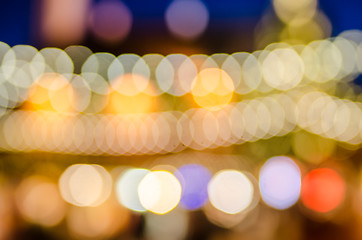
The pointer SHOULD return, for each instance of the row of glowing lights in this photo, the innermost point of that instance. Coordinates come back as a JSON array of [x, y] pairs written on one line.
[[246, 121], [24, 70], [190, 187], [185, 19], [151, 133]]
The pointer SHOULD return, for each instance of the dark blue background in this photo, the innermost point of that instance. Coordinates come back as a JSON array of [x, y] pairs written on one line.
[[17, 16]]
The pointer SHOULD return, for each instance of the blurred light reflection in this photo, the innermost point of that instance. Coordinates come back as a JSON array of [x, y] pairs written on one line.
[[194, 180], [280, 182]]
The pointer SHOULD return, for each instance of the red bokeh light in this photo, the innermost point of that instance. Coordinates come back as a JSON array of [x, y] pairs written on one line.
[[323, 190]]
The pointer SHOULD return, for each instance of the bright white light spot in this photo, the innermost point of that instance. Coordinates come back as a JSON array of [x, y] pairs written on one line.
[[159, 192], [126, 188], [280, 182], [230, 191]]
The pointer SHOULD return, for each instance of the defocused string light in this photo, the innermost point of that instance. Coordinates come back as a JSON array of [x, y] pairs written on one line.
[[280, 182], [159, 192], [126, 97], [83, 103], [175, 74], [295, 13], [79, 55], [283, 69], [230, 191], [60, 30], [39, 201], [85, 185], [194, 179], [187, 19], [57, 61], [212, 89], [107, 81], [323, 190], [51, 92], [248, 120], [126, 188], [110, 21]]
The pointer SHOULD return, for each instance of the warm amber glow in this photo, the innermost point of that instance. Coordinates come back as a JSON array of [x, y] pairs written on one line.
[[51, 92], [212, 89], [85, 185], [101, 222], [39, 201], [131, 93]]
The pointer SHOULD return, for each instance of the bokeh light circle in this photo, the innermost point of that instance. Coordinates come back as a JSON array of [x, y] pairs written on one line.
[[85, 184], [280, 182], [194, 179], [51, 92], [212, 89], [126, 188], [187, 19], [230, 191], [111, 21], [323, 190], [39, 201], [159, 192]]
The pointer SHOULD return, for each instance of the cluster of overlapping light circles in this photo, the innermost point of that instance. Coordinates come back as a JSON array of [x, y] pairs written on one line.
[[330, 116], [248, 120], [110, 21], [295, 14], [85, 185], [212, 89], [191, 186], [297, 23], [127, 186], [149, 134], [40, 76]]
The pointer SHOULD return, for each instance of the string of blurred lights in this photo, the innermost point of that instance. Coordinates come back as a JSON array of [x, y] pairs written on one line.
[[117, 98], [226, 195], [67, 106], [92, 75], [173, 131], [86, 104]]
